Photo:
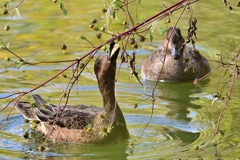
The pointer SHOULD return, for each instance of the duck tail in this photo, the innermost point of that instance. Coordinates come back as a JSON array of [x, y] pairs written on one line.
[[26, 110], [32, 112], [40, 102]]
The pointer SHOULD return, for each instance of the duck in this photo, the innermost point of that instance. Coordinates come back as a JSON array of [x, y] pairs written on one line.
[[82, 124], [174, 61]]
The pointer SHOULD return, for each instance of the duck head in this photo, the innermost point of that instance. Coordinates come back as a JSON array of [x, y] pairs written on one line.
[[174, 42], [105, 65], [105, 70]]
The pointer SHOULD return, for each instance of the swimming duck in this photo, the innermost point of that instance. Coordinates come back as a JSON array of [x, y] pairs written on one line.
[[174, 61], [82, 124]]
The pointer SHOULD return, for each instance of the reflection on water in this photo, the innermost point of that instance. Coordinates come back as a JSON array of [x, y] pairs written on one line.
[[176, 97]]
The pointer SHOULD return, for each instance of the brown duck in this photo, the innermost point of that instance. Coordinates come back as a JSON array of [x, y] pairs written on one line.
[[82, 124], [177, 61]]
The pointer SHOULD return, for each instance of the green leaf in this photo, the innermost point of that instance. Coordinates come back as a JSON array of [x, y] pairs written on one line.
[[151, 35], [108, 16], [114, 14], [83, 37], [63, 8], [118, 4], [17, 12], [224, 73], [144, 89], [154, 24], [8, 45], [162, 31], [142, 17]]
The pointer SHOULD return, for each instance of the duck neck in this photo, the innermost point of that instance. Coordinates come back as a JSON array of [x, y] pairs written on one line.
[[107, 89]]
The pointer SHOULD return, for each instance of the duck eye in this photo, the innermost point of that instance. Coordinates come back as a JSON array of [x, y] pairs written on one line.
[[97, 65], [98, 62]]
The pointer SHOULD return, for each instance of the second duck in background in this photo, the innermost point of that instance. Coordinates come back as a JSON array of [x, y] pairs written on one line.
[[174, 61]]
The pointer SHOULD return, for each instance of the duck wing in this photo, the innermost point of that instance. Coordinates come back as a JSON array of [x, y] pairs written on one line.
[[158, 54], [74, 117]]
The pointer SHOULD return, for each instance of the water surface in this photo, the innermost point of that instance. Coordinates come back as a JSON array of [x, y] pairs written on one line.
[[183, 119]]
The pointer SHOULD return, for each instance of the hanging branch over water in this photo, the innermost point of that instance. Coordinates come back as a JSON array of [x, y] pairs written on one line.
[[132, 35], [228, 95]]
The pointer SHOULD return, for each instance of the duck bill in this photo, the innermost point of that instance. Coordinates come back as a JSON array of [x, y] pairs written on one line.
[[113, 51], [175, 52]]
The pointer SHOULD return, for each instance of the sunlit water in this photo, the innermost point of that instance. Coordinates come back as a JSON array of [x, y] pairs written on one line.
[[184, 118]]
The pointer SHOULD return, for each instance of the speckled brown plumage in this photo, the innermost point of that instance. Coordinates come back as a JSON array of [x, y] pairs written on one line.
[[177, 61], [83, 124]]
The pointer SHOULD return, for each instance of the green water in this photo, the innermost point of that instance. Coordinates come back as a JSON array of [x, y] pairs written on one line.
[[184, 117]]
